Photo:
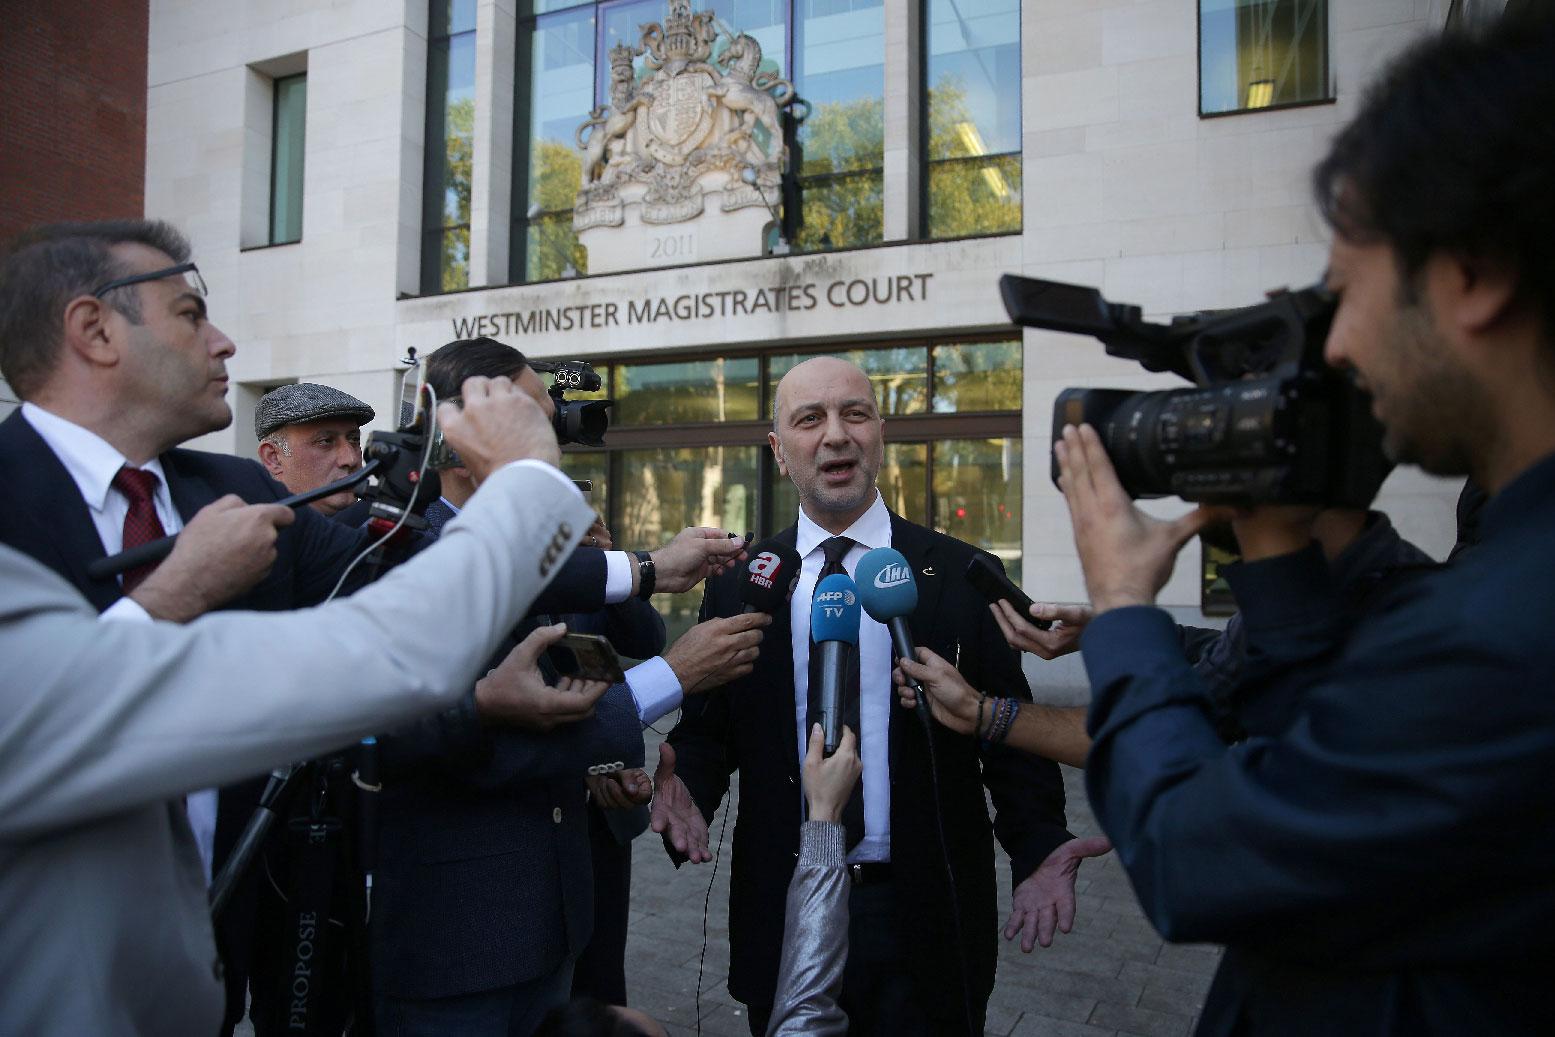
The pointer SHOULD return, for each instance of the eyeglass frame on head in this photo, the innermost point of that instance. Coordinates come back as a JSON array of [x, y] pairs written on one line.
[[197, 283]]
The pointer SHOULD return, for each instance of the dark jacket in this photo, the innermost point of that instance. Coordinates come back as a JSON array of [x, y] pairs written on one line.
[[484, 878], [1382, 864], [748, 726]]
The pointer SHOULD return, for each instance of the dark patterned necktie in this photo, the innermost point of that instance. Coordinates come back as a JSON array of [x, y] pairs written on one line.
[[835, 550], [141, 525]]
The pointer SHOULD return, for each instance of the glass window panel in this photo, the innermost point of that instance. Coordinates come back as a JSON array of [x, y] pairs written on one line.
[[550, 244], [450, 157], [839, 212], [561, 93], [621, 24], [454, 259], [664, 491], [720, 389], [977, 495], [840, 72], [459, 130], [903, 482], [1257, 53], [973, 77], [974, 196], [452, 16], [593, 465], [977, 376], [288, 147], [900, 375]]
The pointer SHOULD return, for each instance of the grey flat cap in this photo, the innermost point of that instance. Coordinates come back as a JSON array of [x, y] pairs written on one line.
[[306, 401]]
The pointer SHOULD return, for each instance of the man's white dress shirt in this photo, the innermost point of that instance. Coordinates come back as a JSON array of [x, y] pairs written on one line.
[[92, 462], [872, 530]]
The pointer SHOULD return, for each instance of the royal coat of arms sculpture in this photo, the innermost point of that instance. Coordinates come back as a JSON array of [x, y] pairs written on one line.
[[698, 139]]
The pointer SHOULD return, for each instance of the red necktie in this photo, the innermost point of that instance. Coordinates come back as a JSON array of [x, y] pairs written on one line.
[[141, 525]]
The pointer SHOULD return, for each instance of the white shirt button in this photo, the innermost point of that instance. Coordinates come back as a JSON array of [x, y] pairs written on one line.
[[556, 815]]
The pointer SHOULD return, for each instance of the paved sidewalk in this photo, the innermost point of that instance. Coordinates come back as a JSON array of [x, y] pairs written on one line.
[[1111, 975]]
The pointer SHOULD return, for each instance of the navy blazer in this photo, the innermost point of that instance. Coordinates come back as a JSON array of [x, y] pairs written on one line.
[[748, 726], [1382, 863], [484, 873]]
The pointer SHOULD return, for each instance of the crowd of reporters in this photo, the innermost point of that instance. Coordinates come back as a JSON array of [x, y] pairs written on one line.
[[1348, 786]]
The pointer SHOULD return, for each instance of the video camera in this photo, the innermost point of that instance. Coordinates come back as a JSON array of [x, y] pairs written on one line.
[[1268, 422], [576, 421]]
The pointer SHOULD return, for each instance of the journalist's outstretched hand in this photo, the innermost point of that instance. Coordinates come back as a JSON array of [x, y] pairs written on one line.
[[1045, 901], [224, 550], [515, 692], [675, 813], [696, 553], [497, 424], [829, 780], [620, 790], [716, 651], [1127, 556], [1061, 638]]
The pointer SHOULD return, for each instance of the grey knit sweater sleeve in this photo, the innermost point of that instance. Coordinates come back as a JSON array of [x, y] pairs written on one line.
[[815, 937]]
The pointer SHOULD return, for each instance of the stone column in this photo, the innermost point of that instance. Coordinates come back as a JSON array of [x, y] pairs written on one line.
[[903, 195], [491, 190]]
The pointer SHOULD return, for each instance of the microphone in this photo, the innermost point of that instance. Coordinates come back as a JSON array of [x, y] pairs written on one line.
[[769, 577], [834, 620], [888, 593]]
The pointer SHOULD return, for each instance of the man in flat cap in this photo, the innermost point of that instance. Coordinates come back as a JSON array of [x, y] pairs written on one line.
[[309, 435]]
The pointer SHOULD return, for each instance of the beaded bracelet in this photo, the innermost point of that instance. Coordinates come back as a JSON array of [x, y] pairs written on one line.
[[982, 697], [1004, 717], [1009, 718]]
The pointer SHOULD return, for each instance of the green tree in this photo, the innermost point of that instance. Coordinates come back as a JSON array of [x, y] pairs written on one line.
[[970, 191], [458, 164], [843, 144], [554, 172]]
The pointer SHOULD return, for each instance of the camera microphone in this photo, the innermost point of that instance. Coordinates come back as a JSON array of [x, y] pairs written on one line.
[[769, 577], [834, 623], [889, 594]]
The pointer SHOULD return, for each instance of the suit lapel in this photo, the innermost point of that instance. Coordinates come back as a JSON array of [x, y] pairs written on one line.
[[190, 491], [53, 523], [918, 548]]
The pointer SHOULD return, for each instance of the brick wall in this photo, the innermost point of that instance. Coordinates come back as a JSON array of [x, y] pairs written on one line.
[[72, 111]]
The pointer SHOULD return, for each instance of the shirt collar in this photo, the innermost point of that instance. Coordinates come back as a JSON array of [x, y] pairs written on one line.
[[89, 458], [871, 530], [450, 505]]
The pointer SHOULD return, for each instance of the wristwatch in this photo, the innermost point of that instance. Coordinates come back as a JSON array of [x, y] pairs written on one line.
[[645, 575]]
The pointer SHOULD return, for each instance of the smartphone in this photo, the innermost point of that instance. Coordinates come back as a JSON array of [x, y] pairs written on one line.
[[984, 574], [586, 656], [584, 485]]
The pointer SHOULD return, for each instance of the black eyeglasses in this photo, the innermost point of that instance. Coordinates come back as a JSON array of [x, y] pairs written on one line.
[[193, 279]]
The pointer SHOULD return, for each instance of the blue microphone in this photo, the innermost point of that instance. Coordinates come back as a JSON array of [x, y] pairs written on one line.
[[888, 593], [834, 620]]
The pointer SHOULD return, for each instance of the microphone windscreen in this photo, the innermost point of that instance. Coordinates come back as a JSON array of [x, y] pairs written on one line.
[[834, 611], [769, 576], [885, 585]]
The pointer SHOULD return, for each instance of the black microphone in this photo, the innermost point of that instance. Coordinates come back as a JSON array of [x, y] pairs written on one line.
[[769, 577], [834, 621]]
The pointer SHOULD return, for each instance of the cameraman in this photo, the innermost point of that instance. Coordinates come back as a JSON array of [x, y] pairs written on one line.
[[1382, 864], [483, 897], [106, 723]]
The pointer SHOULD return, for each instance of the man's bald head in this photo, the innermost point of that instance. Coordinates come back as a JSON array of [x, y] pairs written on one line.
[[827, 436]]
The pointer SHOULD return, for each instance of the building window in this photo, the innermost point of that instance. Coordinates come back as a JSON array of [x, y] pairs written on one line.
[[837, 151], [1262, 54], [972, 89], [450, 147], [288, 138], [688, 446]]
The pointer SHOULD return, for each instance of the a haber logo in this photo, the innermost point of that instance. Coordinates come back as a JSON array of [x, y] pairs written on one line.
[[763, 567], [893, 576]]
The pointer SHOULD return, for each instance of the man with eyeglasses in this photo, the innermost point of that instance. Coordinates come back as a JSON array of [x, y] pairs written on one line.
[[105, 338]]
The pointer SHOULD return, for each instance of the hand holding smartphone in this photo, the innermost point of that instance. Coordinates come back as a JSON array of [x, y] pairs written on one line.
[[984, 574]]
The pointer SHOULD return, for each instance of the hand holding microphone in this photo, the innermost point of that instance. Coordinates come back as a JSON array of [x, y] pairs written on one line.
[[889, 594]]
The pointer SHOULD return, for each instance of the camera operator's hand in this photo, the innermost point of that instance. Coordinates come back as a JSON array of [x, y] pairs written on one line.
[[1127, 555], [717, 651], [829, 780], [515, 693], [224, 550], [1061, 638], [499, 423], [696, 553], [620, 790]]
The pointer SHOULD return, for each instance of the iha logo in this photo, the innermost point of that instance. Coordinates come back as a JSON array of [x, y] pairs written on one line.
[[763, 568], [893, 576]]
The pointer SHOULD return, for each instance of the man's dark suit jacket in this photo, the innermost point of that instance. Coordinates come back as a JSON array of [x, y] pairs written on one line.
[[748, 726], [49, 521], [483, 876]]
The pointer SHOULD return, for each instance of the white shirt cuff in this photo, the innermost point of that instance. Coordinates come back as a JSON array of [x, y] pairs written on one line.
[[654, 688], [618, 576], [125, 610]]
